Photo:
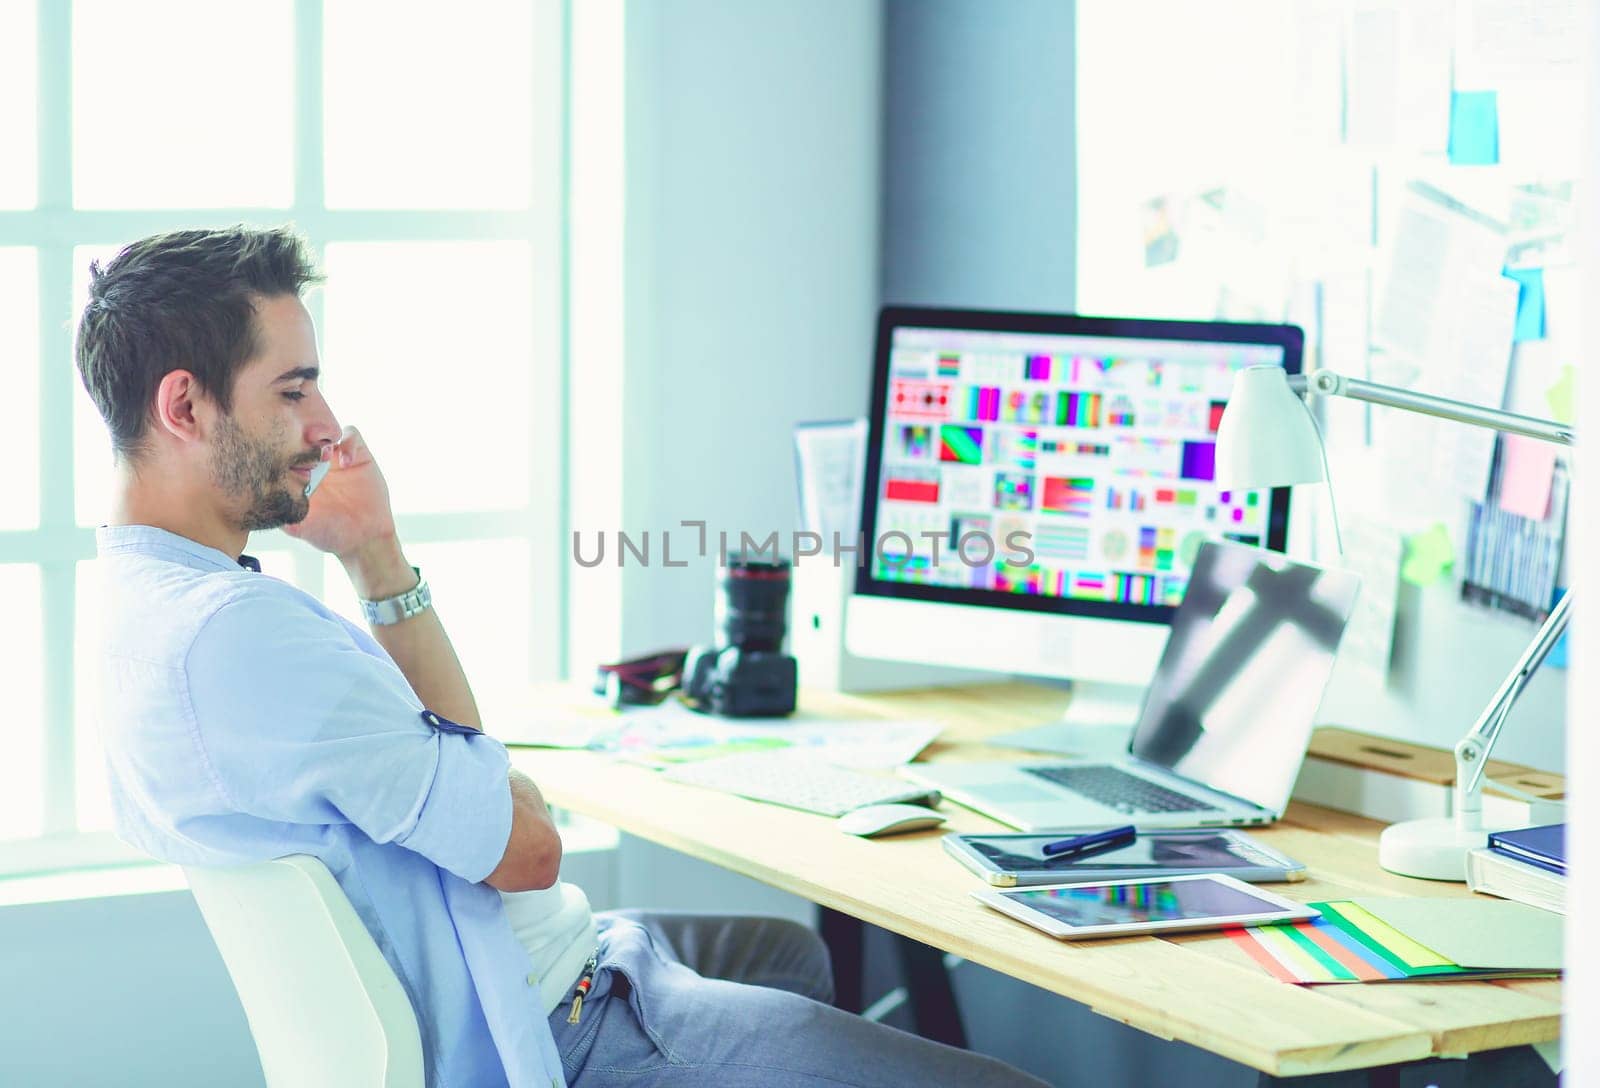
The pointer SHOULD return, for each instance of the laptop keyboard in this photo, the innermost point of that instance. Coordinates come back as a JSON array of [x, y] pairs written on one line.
[[1120, 790]]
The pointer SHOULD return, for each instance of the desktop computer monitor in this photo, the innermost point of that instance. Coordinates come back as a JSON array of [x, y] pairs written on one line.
[[1037, 486]]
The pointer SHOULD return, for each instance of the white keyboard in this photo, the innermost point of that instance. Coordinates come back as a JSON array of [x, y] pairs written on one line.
[[796, 780]]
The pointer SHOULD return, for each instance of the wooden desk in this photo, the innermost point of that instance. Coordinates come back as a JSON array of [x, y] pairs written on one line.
[[1200, 989]]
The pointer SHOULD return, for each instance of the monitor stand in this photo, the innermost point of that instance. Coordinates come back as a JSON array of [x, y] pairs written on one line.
[[1098, 723]]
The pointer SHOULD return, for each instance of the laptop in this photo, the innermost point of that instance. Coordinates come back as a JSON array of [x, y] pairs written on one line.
[[1225, 722]]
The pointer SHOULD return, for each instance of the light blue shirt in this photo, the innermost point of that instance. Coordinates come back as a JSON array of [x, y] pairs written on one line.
[[243, 720]]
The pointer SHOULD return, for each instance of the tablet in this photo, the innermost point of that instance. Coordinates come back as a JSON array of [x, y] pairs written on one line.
[[1116, 908], [1010, 860]]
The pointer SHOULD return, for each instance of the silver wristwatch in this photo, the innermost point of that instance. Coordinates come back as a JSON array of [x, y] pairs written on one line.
[[413, 602]]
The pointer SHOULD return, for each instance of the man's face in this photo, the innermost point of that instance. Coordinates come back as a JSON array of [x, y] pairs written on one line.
[[262, 452]]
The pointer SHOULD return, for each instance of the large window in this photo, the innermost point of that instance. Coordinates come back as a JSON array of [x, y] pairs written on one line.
[[420, 153]]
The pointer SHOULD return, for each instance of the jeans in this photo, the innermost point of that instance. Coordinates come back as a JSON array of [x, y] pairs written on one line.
[[683, 1000]]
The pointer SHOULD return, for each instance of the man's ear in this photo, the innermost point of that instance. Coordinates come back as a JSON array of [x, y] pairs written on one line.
[[182, 407]]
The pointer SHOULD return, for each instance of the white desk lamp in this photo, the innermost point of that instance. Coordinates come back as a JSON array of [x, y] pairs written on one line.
[[1267, 438]]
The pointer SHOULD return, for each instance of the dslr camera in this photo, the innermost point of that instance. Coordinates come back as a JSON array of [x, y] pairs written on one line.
[[748, 675]]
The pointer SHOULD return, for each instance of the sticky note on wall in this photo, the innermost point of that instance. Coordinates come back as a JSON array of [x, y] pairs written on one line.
[[1527, 469], [1474, 128], [1428, 555], [1530, 302], [1561, 394], [1557, 657]]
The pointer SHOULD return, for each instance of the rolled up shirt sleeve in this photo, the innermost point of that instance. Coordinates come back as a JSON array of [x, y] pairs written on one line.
[[296, 723]]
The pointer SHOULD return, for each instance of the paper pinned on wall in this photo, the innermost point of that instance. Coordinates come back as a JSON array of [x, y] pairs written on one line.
[[1344, 310], [1534, 367], [1500, 40], [1429, 554], [1225, 235], [1481, 339], [1329, 224], [1437, 257], [1373, 552], [1445, 305], [1527, 469], [1398, 75], [1536, 140], [829, 460], [1563, 313], [1159, 218], [1543, 218], [1318, 68], [1372, 59], [1422, 85]]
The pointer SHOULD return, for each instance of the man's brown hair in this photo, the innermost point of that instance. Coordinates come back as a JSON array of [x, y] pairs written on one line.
[[180, 301]]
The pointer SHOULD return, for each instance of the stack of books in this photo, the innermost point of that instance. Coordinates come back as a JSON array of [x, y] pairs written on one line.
[[1528, 866]]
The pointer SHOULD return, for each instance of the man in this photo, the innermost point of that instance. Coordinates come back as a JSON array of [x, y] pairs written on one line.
[[246, 721]]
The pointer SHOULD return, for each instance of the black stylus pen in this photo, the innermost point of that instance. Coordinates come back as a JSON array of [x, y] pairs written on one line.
[[1084, 845]]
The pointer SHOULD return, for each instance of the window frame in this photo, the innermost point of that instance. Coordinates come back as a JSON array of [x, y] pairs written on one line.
[[54, 227]]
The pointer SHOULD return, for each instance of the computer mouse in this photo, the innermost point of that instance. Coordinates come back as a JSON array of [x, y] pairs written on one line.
[[873, 820]]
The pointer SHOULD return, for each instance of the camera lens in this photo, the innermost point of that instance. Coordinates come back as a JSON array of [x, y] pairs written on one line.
[[753, 603]]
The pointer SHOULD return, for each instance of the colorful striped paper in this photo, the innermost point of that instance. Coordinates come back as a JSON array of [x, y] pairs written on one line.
[[1346, 944]]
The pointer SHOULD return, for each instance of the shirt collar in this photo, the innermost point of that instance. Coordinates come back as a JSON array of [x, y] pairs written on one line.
[[148, 540]]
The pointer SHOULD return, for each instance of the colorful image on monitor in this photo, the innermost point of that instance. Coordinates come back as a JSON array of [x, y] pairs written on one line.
[[1099, 451]]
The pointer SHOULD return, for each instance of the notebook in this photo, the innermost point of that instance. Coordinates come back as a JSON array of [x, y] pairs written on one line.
[[1545, 846]]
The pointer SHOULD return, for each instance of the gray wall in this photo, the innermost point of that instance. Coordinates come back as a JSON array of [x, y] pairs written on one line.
[[124, 990], [980, 169], [128, 991], [980, 210], [752, 250]]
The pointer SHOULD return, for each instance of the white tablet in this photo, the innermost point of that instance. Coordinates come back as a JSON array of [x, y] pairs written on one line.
[[1115, 908]]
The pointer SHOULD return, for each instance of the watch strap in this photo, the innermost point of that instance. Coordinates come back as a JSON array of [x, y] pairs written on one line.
[[402, 606]]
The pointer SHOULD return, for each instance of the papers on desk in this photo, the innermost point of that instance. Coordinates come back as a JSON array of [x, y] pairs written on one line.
[[1378, 940], [570, 727], [672, 733]]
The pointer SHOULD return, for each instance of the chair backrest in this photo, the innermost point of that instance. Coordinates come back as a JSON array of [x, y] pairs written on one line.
[[325, 1008]]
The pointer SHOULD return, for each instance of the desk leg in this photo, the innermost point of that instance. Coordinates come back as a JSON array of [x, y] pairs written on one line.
[[1514, 1067], [846, 940], [934, 1013], [933, 999]]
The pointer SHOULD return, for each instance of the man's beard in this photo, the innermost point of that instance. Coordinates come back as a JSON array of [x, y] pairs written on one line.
[[249, 469]]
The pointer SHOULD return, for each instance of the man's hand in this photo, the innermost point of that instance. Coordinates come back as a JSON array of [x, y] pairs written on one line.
[[350, 517]]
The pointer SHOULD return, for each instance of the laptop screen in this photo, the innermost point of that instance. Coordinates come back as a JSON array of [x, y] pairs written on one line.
[[1235, 696]]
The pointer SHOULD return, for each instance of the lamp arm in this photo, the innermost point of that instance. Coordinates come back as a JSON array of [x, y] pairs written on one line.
[[1472, 751], [1327, 383]]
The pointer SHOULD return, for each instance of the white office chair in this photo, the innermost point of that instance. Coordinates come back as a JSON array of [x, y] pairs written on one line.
[[325, 1008]]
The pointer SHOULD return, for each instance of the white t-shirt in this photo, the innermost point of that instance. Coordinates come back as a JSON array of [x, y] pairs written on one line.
[[557, 928]]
